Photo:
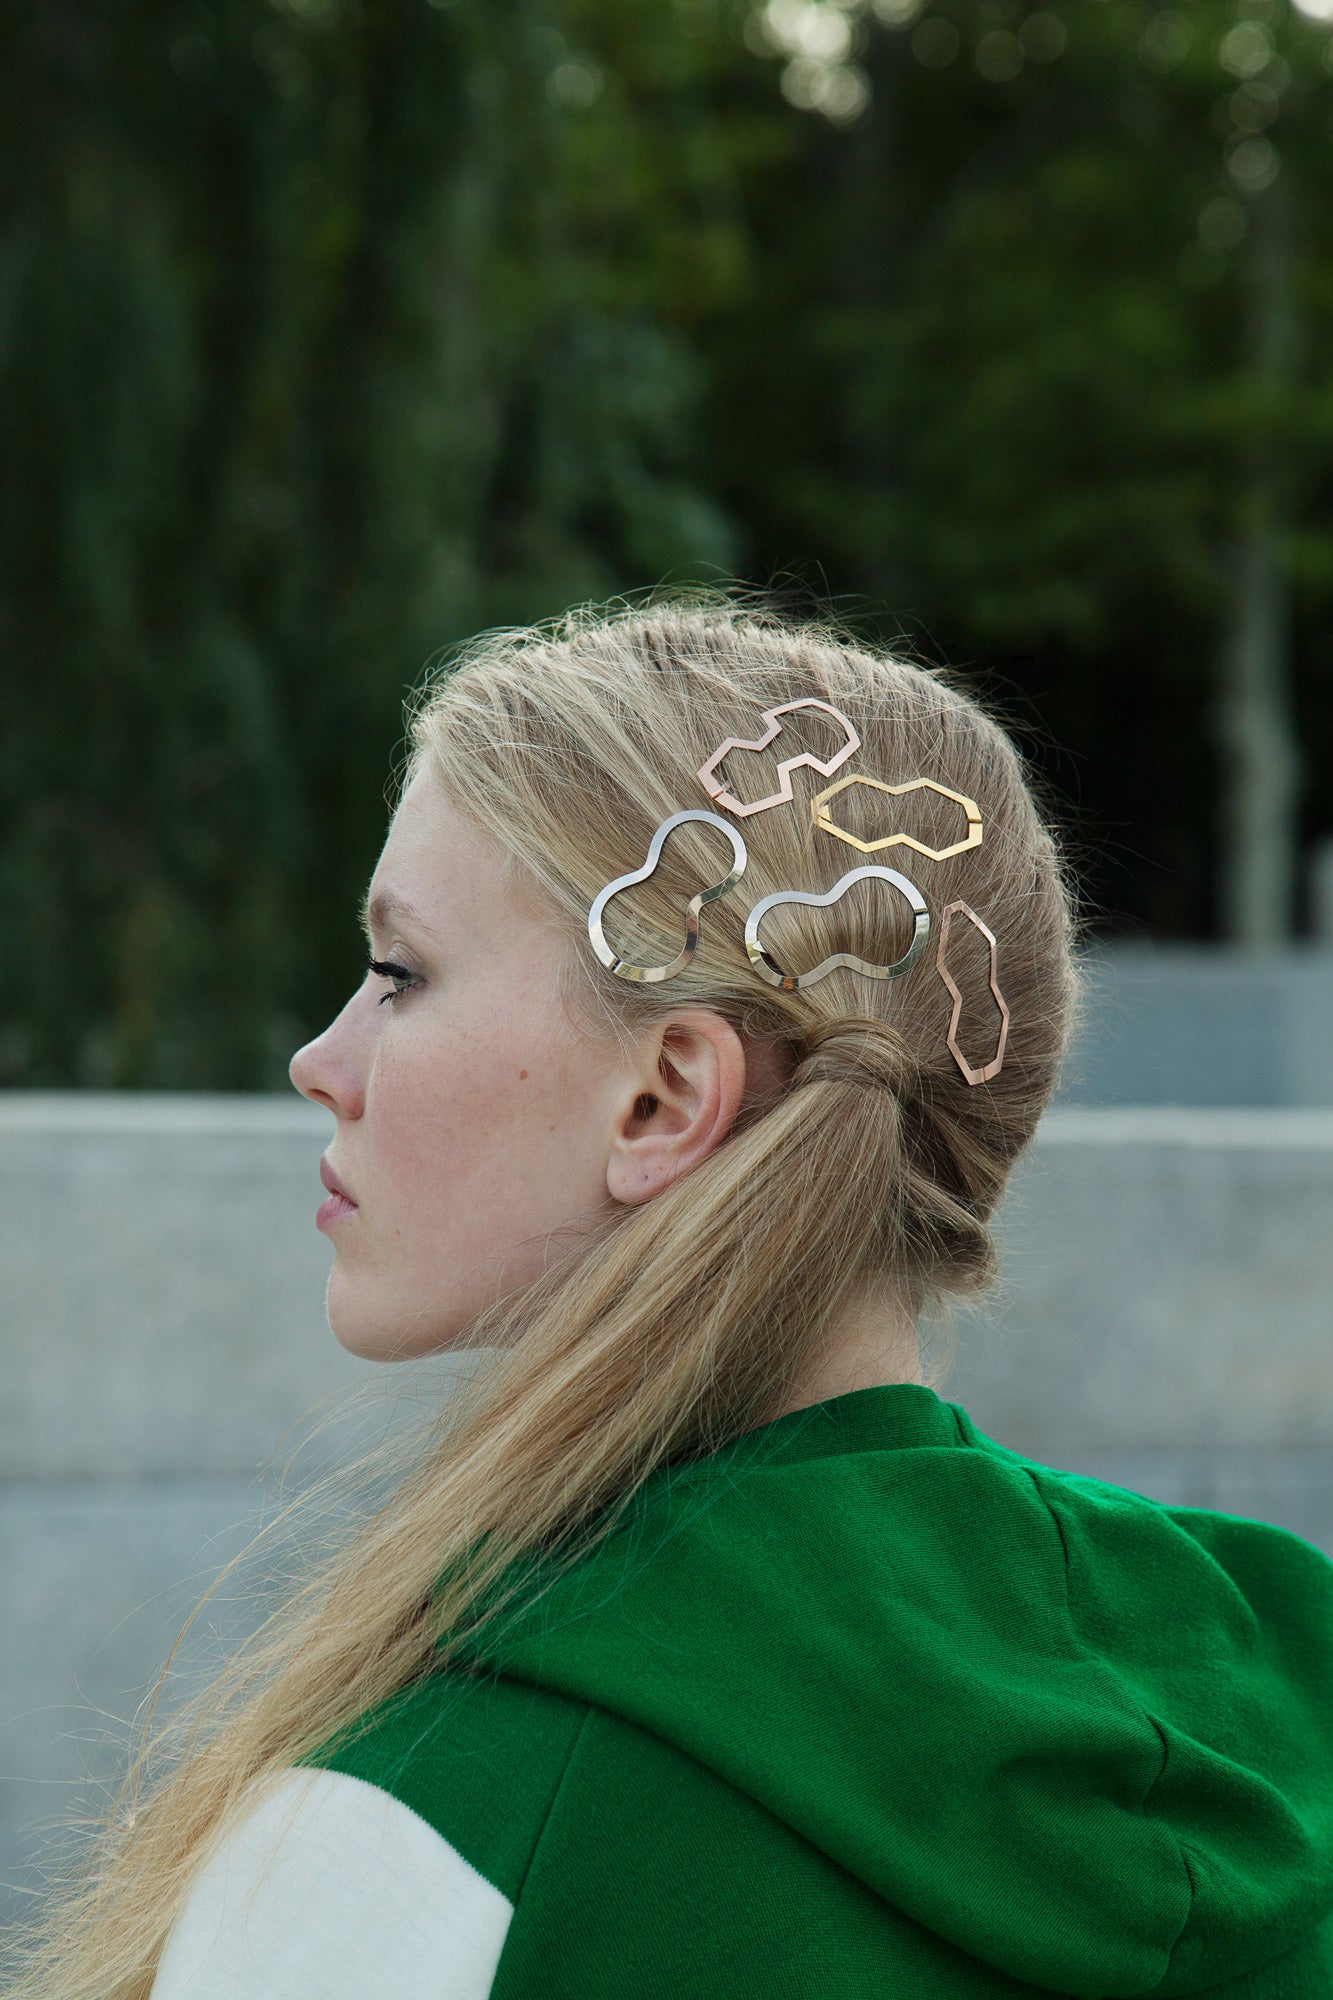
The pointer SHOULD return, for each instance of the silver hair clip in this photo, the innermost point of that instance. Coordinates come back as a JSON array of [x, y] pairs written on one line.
[[992, 1068], [825, 766], [792, 982], [649, 973]]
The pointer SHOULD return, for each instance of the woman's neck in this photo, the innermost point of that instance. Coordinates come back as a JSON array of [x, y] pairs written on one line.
[[868, 1344]]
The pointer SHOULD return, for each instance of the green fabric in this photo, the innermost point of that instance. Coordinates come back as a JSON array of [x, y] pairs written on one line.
[[481, 1759], [866, 1704]]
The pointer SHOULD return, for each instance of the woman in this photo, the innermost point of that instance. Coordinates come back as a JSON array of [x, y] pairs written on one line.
[[720, 971]]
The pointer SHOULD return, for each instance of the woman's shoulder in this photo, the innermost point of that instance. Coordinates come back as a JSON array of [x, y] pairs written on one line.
[[398, 1847], [477, 1757]]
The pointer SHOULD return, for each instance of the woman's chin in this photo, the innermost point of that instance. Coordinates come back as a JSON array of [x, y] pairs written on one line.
[[380, 1336], [361, 1333], [358, 1336]]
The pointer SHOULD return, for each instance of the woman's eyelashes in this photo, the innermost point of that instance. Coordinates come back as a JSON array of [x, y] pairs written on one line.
[[385, 968]]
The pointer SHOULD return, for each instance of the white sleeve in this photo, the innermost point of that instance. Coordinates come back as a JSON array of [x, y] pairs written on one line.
[[330, 1889]]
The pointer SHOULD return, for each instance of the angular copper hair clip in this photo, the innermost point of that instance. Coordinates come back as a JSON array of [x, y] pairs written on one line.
[[791, 982], [825, 766], [991, 1069], [650, 973]]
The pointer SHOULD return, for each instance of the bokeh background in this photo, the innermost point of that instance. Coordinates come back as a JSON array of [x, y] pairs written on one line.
[[332, 331]]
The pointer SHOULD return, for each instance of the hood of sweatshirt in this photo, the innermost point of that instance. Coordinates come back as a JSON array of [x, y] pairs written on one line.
[[1082, 1735]]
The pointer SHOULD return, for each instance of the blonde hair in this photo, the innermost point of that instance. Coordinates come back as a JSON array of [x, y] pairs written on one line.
[[875, 1170]]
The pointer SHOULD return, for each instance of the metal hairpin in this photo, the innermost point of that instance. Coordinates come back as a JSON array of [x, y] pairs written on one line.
[[971, 1074], [791, 982], [650, 973], [822, 817], [825, 766]]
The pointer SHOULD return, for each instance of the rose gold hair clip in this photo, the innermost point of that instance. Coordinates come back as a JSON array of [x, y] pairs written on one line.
[[992, 1068], [825, 766]]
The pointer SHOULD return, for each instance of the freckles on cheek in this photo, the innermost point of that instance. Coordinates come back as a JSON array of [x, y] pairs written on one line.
[[539, 1081], [523, 1077]]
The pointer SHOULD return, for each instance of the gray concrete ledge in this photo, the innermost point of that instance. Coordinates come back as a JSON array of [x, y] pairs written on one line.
[[1164, 1321], [1287, 1127], [1203, 1024], [133, 1111], [258, 1113]]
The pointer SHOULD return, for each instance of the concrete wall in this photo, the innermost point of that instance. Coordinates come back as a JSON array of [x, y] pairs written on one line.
[[1166, 1322], [1201, 1024], [1166, 1315]]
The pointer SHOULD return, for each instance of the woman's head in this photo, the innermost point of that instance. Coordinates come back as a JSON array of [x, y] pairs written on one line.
[[647, 1200], [518, 1099]]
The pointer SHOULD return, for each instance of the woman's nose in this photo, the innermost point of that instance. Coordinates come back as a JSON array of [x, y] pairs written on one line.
[[301, 1070], [305, 1070], [327, 1071]]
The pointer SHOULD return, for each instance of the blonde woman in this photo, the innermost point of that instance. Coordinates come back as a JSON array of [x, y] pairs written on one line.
[[719, 972]]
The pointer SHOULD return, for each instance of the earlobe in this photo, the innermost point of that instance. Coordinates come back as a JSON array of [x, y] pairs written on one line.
[[677, 1105]]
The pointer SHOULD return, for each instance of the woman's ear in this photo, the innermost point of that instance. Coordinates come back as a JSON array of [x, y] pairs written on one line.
[[678, 1103]]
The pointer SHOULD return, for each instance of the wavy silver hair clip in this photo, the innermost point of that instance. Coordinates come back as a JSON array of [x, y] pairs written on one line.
[[791, 982], [650, 973]]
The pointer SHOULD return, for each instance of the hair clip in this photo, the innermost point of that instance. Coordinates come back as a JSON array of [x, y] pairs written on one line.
[[992, 1068], [826, 767], [791, 982], [820, 814], [692, 908]]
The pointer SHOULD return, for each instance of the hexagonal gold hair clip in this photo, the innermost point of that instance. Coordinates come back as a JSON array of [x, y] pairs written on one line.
[[821, 816]]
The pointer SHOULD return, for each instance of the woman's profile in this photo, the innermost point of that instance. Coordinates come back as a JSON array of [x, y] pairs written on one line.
[[720, 969]]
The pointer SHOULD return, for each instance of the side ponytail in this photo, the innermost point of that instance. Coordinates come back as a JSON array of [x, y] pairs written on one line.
[[859, 1050], [934, 1195], [874, 1169]]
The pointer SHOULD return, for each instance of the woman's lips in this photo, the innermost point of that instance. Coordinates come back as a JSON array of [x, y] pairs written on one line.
[[339, 1203], [332, 1182]]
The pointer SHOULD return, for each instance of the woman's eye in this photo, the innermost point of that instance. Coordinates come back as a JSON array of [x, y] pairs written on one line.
[[386, 969]]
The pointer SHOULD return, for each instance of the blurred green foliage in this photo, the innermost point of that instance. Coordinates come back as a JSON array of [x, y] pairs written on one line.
[[334, 330]]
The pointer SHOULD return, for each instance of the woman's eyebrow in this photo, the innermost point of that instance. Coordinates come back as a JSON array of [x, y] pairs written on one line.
[[378, 911]]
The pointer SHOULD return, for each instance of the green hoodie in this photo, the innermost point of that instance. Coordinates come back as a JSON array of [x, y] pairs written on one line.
[[865, 1704]]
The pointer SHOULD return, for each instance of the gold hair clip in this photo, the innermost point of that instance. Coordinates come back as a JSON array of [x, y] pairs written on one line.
[[992, 1068], [649, 973], [825, 766], [791, 982], [820, 814]]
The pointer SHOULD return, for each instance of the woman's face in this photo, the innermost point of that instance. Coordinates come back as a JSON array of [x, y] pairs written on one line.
[[472, 1122]]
